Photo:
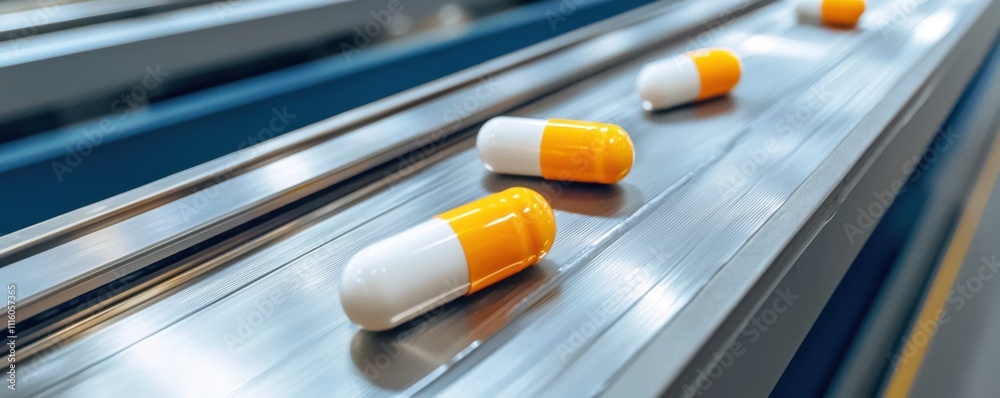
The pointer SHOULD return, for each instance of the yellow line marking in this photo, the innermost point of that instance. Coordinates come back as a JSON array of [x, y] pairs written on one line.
[[904, 375]]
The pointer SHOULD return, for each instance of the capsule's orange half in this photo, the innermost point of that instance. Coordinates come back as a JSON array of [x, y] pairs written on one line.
[[502, 234], [842, 12], [585, 151], [718, 69]]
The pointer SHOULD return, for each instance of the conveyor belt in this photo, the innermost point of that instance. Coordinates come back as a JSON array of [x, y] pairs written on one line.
[[264, 318]]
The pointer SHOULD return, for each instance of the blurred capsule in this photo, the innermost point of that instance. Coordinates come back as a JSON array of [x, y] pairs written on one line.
[[688, 77], [459, 252], [556, 149], [839, 13]]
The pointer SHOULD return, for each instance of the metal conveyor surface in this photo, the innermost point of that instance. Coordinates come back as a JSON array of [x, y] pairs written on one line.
[[732, 188]]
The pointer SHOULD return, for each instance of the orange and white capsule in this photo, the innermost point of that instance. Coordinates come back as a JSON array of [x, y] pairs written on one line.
[[457, 253], [556, 149], [841, 13], [689, 77]]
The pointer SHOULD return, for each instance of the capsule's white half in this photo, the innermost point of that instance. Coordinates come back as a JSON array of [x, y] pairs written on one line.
[[512, 145], [809, 11], [669, 82], [397, 279]]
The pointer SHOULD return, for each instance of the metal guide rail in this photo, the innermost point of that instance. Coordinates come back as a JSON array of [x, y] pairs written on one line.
[[234, 286]]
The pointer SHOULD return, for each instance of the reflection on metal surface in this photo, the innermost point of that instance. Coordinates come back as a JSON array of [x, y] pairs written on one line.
[[390, 362], [172, 227], [21, 19], [628, 257], [778, 46], [934, 27]]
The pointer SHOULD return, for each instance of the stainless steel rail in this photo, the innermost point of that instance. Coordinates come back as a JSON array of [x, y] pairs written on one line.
[[50, 233], [248, 184], [871, 160], [743, 221], [181, 42], [19, 20], [723, 197]]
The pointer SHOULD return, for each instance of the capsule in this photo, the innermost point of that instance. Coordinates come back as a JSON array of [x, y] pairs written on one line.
[[556, 149], [839, 13], [689, 77], [457, 253]]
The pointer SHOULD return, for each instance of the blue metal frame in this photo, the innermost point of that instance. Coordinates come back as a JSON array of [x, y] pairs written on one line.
[[821, 353], [51, 173]]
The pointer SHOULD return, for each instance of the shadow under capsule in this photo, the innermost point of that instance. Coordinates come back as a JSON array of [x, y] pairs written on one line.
[[707, 109], [388, 360], [397, 359], [836, 27], [598, 200]]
